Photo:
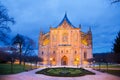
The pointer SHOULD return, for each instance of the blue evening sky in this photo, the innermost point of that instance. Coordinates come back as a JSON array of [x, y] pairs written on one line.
[[33, 15]]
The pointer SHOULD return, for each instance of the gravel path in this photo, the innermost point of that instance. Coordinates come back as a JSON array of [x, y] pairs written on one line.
[[30, 75]]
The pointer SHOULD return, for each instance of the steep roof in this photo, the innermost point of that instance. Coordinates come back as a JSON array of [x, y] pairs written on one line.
[[67, 20]]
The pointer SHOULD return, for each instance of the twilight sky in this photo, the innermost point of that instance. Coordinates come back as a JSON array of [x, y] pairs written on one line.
[[33, 15]]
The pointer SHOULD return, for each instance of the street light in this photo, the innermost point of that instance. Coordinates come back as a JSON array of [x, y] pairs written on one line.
[[100, 62], [51, 61], [94, 64], [77, 59]]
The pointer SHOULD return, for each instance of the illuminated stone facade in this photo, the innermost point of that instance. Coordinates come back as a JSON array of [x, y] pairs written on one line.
[[65, 45]]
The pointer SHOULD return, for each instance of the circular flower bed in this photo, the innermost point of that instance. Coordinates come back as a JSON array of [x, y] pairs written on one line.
[[64, 72]]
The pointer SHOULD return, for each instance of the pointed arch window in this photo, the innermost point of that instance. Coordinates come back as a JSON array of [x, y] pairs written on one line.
[[53, 52], [54, 37], [42, 52], [75, 36], [75, 52], [65, 37], [85, 55], [67, 51], [62, 51]]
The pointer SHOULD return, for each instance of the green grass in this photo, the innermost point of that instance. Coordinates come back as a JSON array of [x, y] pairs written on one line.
[[65, 72], [109, 66], [114, 72], [6, 68], [112, 69]]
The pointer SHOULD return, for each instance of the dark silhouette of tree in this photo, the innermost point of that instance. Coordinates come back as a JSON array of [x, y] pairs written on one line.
[[28, 49], [3, 56], [25, 46], [36, 59], [116, 45], [5, 20], [18, 41], [116, 48], [29, 45], [6, 53]]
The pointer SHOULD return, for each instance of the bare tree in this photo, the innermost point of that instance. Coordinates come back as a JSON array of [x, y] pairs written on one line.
[[28, 49], [5, 20], [18, 41], [25, 46], [115, 1]]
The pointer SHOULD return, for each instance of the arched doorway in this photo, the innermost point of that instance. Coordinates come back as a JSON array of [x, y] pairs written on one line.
[[64, 60]]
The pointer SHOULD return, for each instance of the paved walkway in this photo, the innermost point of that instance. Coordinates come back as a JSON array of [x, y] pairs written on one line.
[[30, 75]]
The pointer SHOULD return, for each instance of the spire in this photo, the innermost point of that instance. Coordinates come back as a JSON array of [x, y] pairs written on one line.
[[50, 26], [65, 17], [41, 32], [80, 26], [90, 29]]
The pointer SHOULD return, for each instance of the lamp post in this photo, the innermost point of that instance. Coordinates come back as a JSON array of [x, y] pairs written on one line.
[[107, 65], [101, 60], [11, 65], [51, 61], [77, 59], [94, 64]]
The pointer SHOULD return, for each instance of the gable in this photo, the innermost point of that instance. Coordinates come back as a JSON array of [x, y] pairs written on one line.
[[65, 23]]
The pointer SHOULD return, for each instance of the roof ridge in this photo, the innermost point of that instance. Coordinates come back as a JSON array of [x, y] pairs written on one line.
[[67, 20]]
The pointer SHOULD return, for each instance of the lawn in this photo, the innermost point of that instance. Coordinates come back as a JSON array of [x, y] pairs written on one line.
[[109, 66], [114, 72], [65, 72], [112, 69], [6, 68]]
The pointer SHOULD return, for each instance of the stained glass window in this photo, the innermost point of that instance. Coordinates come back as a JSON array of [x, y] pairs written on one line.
[[65, 37], [54, 37]]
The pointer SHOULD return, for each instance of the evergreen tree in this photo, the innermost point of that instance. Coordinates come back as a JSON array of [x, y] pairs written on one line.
[[116, 48]]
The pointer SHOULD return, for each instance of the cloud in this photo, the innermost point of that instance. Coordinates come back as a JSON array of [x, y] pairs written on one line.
[[31, 16]]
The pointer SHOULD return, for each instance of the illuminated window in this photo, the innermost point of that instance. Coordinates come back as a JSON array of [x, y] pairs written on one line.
[[54, 37], [65, 37], [62, 51]]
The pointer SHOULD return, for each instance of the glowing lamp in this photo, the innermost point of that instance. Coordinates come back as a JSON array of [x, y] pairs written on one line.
[[77, 59], [51, 59]]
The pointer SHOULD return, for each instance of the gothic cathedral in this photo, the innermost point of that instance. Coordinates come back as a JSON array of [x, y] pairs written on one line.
[[65, 45]]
